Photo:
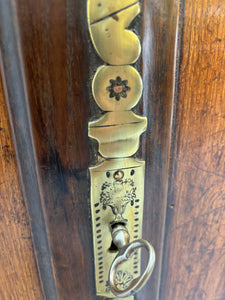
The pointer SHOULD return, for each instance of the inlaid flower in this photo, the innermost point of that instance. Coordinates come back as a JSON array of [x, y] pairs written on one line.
[[118, 88]]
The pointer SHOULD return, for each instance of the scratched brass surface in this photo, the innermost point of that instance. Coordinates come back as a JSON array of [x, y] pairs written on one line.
[[99, 9], [113, 42]]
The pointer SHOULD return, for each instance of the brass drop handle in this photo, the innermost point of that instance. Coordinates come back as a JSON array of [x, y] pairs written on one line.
[[121, 237]]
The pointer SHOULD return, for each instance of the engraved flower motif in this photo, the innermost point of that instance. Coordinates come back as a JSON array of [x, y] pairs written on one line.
[[118, 88], [118, 193], [123, 280]]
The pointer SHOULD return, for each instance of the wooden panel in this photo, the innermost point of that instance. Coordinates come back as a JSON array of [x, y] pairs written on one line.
[[17, 102], [48, 99], [53, 41], [18, 270], [194, 264], [159, 31]]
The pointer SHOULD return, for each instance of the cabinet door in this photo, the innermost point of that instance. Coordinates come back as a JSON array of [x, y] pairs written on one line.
[[48, 63]]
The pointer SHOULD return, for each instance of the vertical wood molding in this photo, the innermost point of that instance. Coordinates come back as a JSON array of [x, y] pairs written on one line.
[[16, 96], [48, 102], [18, 268], [159, 33]]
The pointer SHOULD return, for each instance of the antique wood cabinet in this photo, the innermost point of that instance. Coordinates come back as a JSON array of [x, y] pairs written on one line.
[[47, 66]]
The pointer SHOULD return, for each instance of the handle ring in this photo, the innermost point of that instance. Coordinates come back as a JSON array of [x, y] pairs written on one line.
[[125, 254]]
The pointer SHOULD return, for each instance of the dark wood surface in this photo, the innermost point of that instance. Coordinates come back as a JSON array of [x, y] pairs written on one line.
[[55, 44], [194, 256], [183, 206], [159, 30], [55, 58], [55, 47]]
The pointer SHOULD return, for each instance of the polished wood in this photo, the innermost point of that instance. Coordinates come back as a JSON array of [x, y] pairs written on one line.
[[53, 103], [18, 108], [194, 256], [18, 270], [50, 104], [53, 108], [159, 32]]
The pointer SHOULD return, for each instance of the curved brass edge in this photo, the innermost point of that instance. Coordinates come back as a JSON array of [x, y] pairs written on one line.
[[113, 42], [124, 255], [118, 133]]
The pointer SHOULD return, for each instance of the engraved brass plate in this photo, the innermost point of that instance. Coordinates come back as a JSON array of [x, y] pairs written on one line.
[[117, 184], [117, 193]]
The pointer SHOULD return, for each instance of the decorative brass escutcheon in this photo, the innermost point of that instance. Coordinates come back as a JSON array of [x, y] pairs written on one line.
[[117, 183]]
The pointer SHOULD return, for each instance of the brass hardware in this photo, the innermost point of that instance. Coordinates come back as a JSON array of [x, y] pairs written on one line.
[[117, 183], [113, 42], [112, 202], [102, 86], [118, 133], [99, 9], [121, 238]]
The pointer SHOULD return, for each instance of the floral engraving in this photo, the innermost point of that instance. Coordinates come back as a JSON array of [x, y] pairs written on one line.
[[118, 88], [117, 195]]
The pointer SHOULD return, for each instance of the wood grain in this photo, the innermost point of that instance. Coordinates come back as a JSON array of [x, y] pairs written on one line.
[[18, 108], [159, 32], [59, 63], [194, 262], [54, 42], [18, 270]]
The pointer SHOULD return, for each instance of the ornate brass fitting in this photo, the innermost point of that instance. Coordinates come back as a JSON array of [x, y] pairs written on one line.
[[117, 184]]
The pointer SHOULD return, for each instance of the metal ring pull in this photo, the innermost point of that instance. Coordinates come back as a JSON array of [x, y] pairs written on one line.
[[126, 250]]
